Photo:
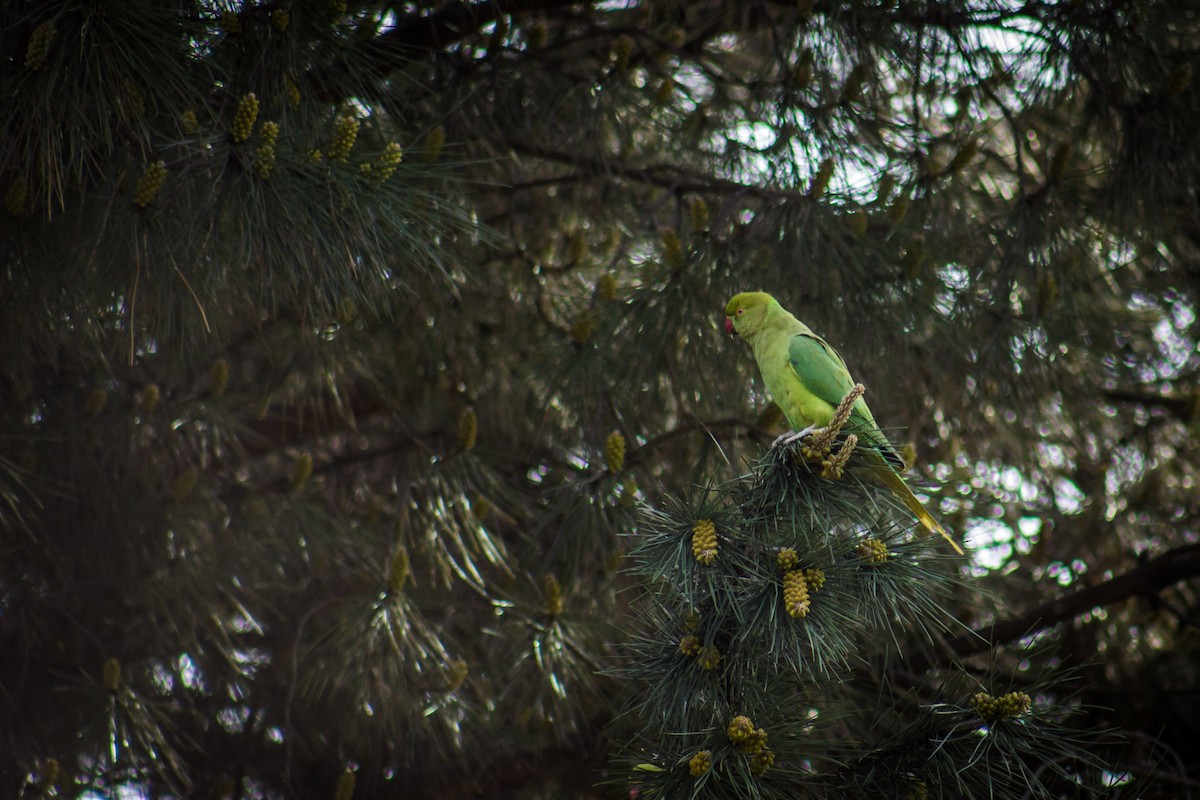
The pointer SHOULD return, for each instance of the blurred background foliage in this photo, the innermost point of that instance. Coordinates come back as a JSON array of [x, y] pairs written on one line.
[[318, 318]]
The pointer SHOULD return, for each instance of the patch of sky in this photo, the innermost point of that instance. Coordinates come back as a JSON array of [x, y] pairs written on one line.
[[1111, 780], [1068, 498], [233, 719], [189, 673], [1050, 455], [1031, 343], [994, 541], [1178, 350], [1065, 574], [956, 280], [990, 543], [123, 791]]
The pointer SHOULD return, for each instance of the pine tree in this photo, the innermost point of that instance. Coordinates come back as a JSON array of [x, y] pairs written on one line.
[[767, 596], [359, 361]]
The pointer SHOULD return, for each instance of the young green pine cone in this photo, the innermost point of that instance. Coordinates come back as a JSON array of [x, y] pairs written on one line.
[[468, 429], [552, 591], [264, 154], [761, 761], [149, 184], [244, 118], [872, 551], [709, 657], [398, 570], [698, 211], [795, 594], [389, 159], [745, 737], [218, 377], [584, 326], [700, 763], [112, 674], [786, 558], [1014, 704], [302, 469], [39, 45], [672, 249], [480, 506], [149, 398], [345, 786], [740, 729], [629, 490], [815, 578], [614, 452], [606, 287], [345, 133], [456, 674], [291, 92], [704, 541], [985, 705]]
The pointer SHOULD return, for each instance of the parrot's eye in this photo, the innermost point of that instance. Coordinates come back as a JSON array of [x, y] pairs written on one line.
[[741, 311]]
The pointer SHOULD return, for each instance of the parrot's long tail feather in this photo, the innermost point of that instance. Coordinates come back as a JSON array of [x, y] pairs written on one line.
[[901, 490]]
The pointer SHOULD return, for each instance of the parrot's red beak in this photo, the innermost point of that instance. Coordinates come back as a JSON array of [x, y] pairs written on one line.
[[729, 326]]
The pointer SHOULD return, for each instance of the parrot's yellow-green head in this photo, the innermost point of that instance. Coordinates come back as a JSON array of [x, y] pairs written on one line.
[[745, 312]]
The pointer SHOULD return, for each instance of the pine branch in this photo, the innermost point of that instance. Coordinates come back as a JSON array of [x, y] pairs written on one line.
[[666, 176], [1146, 580], [1184, 405], [421, 34]]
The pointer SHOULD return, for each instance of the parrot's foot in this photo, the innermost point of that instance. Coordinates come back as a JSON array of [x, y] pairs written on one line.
[[818, 448], [818, 445], [791, 436]]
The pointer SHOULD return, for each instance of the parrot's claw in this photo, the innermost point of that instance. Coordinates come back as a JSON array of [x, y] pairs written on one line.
[[791, 436]]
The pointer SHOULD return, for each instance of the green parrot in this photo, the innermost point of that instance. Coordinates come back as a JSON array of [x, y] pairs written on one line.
[[807, 379]]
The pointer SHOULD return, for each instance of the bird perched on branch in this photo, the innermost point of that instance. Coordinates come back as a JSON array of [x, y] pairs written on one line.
[[808, 379]]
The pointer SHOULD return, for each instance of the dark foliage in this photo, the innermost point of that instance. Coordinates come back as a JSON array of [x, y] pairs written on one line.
[[325, 323]]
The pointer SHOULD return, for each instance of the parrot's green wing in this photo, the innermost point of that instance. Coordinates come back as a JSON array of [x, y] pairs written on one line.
[[820, 368], [824, 374]]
